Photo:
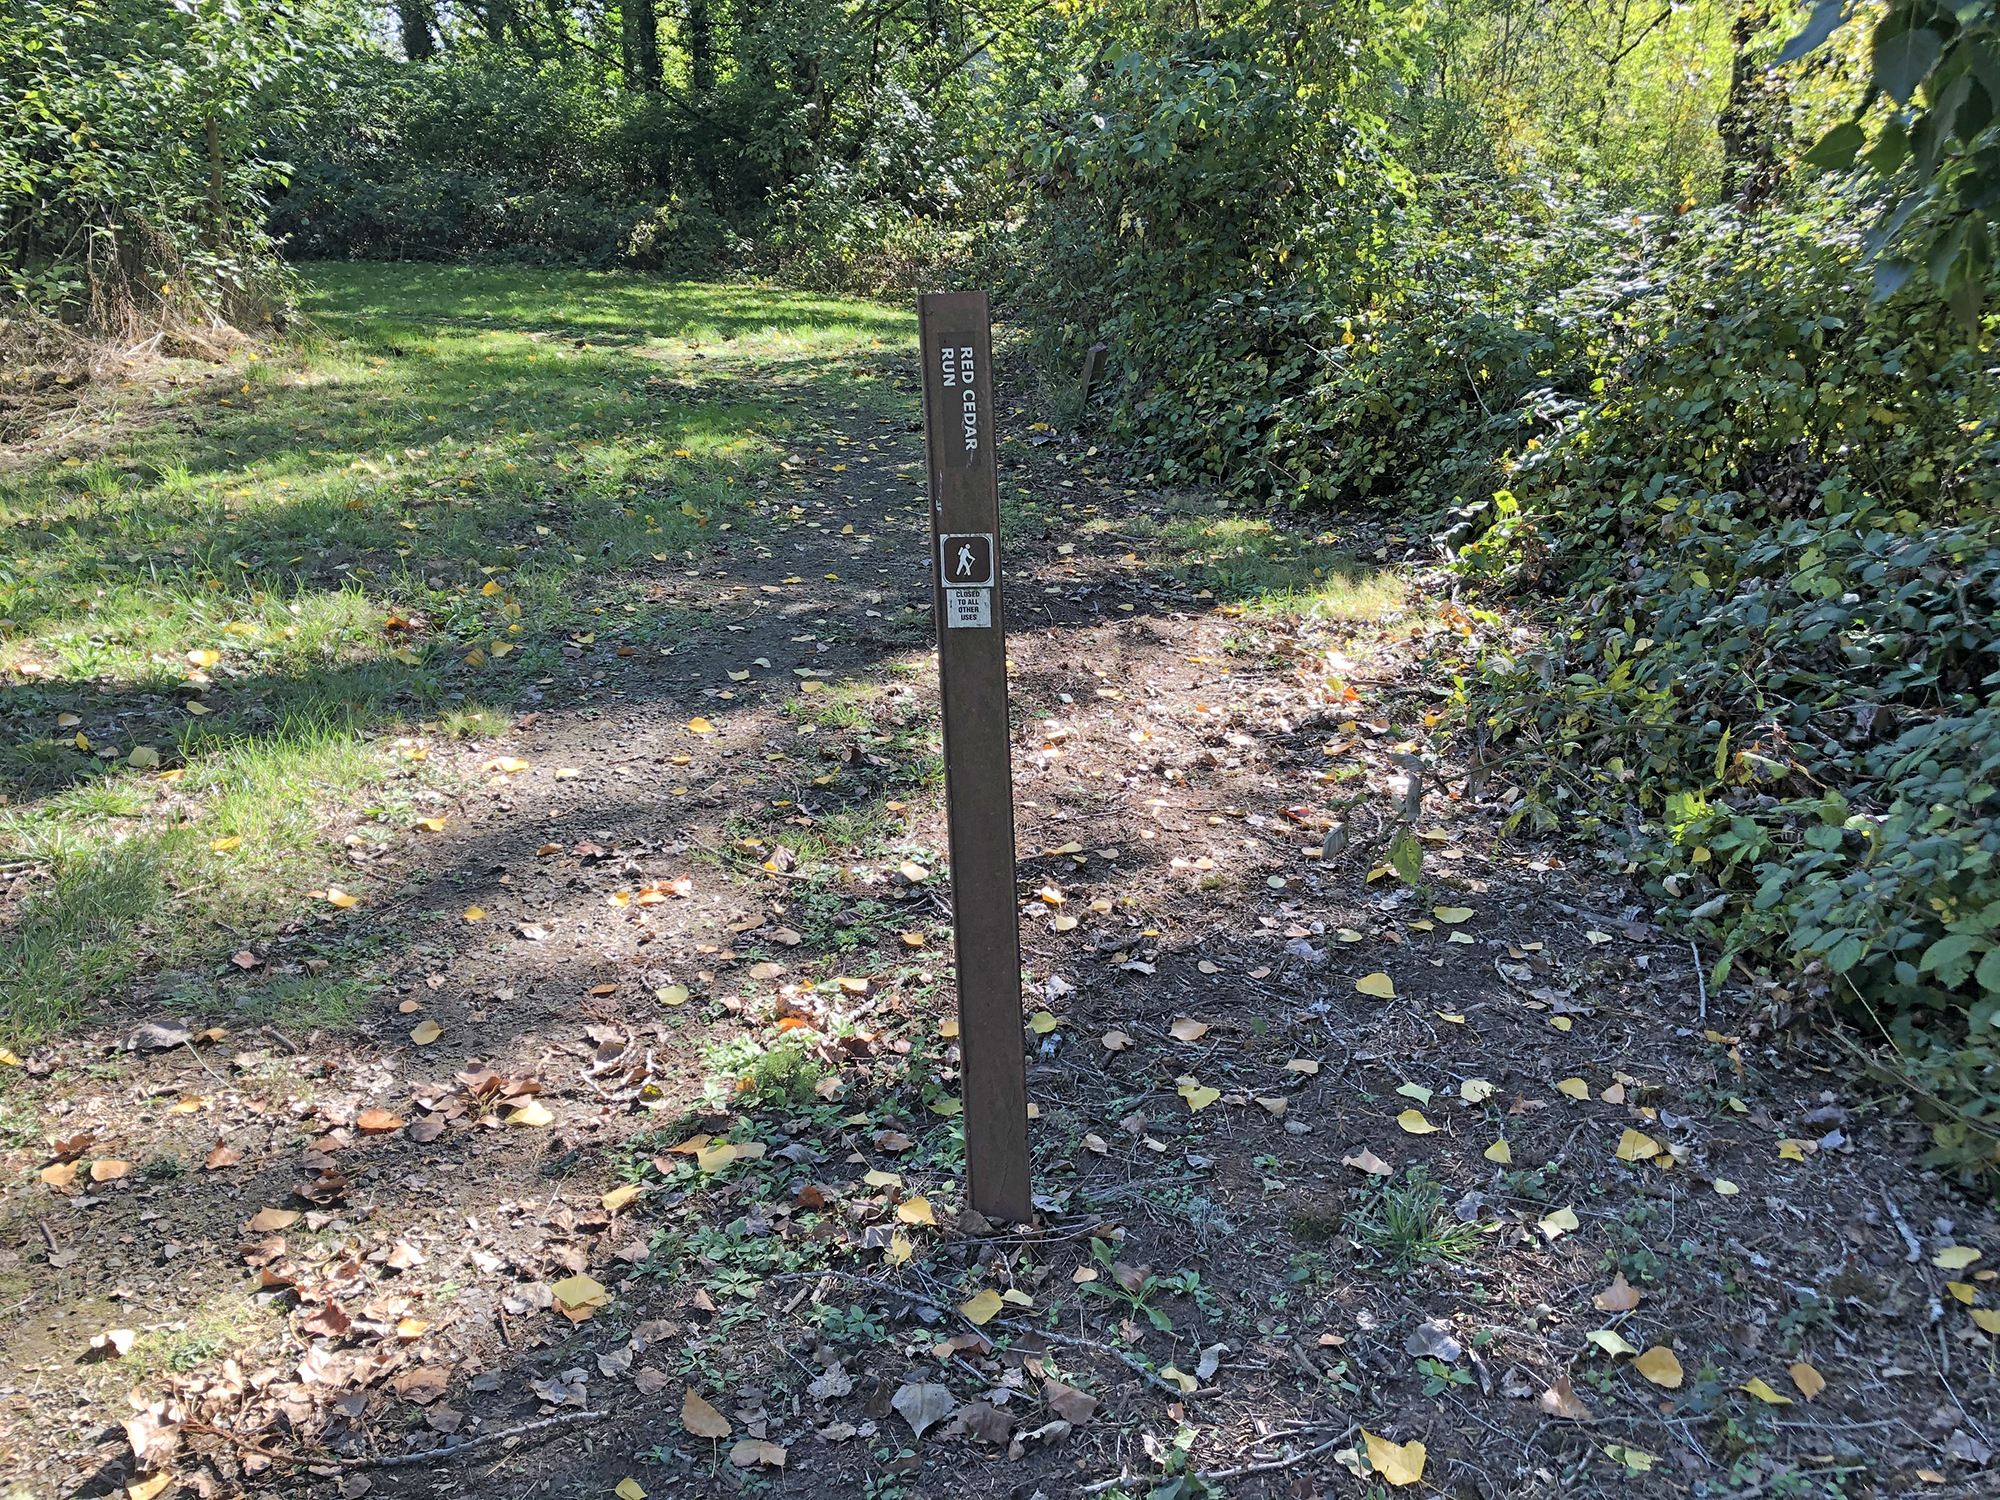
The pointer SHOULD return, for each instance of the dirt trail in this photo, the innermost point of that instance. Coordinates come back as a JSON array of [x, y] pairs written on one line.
[[1239, 1050]]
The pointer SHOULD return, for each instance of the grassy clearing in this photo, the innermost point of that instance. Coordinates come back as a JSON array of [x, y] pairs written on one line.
[[1246, 560], [217, 612]]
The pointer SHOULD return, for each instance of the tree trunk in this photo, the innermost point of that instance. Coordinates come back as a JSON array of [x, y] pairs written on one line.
[[700, 41], [1750, 169], [418, 40], [642, 44]]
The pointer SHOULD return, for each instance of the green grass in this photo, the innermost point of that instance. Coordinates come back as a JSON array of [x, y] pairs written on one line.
[[1247, 560], [1405, 1225], [206, 608]]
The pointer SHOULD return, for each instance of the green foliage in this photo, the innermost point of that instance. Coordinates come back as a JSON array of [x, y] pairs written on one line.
[[132, 178], [1403, 1225], [1935, 70]]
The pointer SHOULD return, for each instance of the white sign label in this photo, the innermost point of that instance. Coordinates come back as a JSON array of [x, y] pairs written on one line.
[[968, 609]]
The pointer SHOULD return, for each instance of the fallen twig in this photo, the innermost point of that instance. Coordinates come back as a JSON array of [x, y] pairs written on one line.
[[1268, 1466], [394, 1460]]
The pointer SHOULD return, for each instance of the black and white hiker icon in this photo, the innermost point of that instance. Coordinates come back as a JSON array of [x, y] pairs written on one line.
[[967, 560]]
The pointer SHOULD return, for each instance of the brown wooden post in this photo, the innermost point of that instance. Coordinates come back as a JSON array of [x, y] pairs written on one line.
[[954, 334]]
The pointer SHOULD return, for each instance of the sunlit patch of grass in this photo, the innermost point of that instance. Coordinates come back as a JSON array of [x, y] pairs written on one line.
[[1248, 561], [401, 516]]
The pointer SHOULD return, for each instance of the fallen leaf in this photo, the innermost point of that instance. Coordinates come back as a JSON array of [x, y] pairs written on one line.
[[1414, 1122], [1367, 1161], [220, 1157], [1636, 1145], [1561, 1400], [751, 1453], [337, 897], [700, 1419], [629, 1489], [1115, 1041], [1809, 1381], [1563, 1221], [104, 1169], [1611, 1342], [1761, 1389], [620, 1197], [1574, 1088], [1955, 1257], [699, 725], [1475, 1091], [1381, 986], [426, 1032], [915, 1210], [1395, 1463], [1725, 1187], [1198, 1095], [376, 1122], [981, 1308], [924, 1405], [1620, 1296], [533, 1112], [1069, 1403], [1187, 1029], [1451, 916], [474, 914], [271, 1220], [1501, 1152], [1306, 1065]]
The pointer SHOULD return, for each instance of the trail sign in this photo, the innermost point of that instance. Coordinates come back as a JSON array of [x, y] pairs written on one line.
[[954, 334]]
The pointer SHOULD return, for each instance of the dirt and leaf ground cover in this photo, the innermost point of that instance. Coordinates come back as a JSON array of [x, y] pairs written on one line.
[[478, 978]]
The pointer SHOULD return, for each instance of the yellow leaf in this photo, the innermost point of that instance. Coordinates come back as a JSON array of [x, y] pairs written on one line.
[[1381, 986], [714, 1158], [1987, 1318], [700, 1419], [619, 1197], [1451, 916], [1963, 1290], [1414, 1122], [8, 1059], [1186, 1382], [1809, 1381], [1475, 1091], [900, 1248], [1199, 1096], [628, 1489], [1659, 1365], [426, 1033], [1759, 1388], [916, 1210], [337, 897], [151, 1488], [1611, 1342], [672, 994], [1501, 1152], [1955, 1257], [1396, 1463], [500, 649], [507, 765], [1635, 1145], [580, 1291], [1561, 1023], [533, 1112], [699, 725], [431, 825], [1042, 1023], [1789, 1151], [204, 658], [475, 657], [474, 914], [1563, 1221], [982, 1307], [223, 846], [1574, 1088], [489, 588], [1726, 1188], [197, 709]]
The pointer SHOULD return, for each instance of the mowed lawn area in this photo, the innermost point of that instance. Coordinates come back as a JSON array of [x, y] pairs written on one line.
[[212, 689]]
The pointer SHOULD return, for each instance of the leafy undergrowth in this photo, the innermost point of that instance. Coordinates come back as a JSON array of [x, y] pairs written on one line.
[[249, 616]]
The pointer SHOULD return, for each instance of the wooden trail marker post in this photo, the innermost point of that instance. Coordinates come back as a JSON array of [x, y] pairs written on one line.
[[955, 336]]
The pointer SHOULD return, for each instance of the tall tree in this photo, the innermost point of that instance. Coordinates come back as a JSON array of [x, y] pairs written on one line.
[[698, 36], [640, 28], [419, 40], [494, 16]]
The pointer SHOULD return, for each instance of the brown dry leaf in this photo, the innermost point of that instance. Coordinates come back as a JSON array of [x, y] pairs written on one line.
[[104, 1169], [271, 1220], [1561, 1400], [118, 1340], [426, 1032], [1115, 1041], [753, 1452], [1367, 1161], [1072, 1405], [1187, 1029], [152, 1487], [701, 1419], [1620, 1296], [376, 1122], [222, 1156], [1809, 1381]]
